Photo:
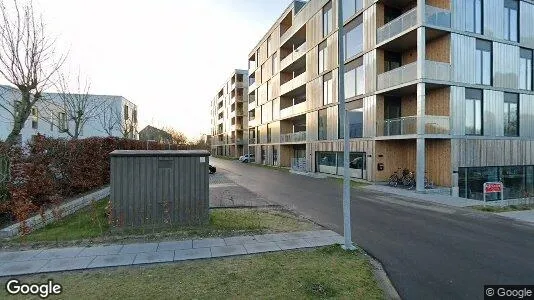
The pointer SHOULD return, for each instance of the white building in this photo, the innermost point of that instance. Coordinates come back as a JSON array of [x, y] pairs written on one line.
[[117, 117]]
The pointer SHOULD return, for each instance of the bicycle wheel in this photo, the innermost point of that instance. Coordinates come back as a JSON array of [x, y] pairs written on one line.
[[393, 180]]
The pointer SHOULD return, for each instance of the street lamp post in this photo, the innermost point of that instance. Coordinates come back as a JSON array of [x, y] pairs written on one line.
[[348, 245]]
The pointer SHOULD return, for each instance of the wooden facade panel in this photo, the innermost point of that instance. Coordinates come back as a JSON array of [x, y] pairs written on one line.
[[370, 110], [314, 92], [332, 52], [445, 4], [276, 108], [312, 64], [409, 56], [370, 68], [439, 49], [275, 85], [438, 162], [409, 105], [314, 30], [311, 126], [502, 152], [261, 94], [369, 28], [394, 154], [437, 102], [332, 123]]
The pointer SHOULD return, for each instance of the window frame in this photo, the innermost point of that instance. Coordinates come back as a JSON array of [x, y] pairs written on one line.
[[480, 93], [322, 56], [480, 44], [328, 82], [328, 19], [510, 5], [322, 115], [509, 99], [354, 25], [529, 76]]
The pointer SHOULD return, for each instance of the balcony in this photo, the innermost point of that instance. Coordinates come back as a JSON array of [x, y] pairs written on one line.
[[434, 16], [293, 56], [293, 84], [397, 26], [433, 70], [294, 110], [439, 125], [294, 137]]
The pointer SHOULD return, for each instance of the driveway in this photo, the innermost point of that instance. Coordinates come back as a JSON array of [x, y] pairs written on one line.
[[429, 251]]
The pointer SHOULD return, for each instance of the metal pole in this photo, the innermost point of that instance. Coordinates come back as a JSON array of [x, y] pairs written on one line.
[[341, 94]]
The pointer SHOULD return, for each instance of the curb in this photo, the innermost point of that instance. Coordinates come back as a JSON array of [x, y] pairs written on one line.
[[383, 279]]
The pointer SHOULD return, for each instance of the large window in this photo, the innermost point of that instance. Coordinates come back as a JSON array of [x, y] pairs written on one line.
[[511, 114], [327, 19], [353, 38], [483, 62], [518, 181], [350, 7], [473, 16], [328, 89], [332, 163], [525, 73], [355, 119], [511, 20], [323, 120], [473, 112], [354, 78], [322, 57], [35, 118]]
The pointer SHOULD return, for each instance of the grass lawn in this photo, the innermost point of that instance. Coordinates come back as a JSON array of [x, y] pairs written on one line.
[[91, 224], [327, 272], [498, 209], [353, 184]]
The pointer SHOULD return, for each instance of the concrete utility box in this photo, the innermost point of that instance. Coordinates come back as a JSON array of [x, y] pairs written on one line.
[[159, 188]]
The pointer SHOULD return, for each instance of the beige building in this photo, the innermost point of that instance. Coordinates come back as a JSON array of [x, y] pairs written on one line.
[[228, 117], [440, 87]]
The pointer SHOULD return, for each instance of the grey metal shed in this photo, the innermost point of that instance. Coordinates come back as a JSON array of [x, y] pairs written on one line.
[[159, 188]]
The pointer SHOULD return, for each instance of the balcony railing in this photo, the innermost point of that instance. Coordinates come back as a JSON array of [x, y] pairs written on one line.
[[437, 70], [252, 141], [437, 16], [293, 137], [397, 76], [293, 84], [433, 70], [398, 25], [296, 109], [408, 125], [296, 54]]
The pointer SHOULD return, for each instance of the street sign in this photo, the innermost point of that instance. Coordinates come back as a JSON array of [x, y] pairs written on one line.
[[493, 187]]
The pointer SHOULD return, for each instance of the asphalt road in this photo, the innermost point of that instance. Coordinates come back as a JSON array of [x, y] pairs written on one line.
[[429, 251]]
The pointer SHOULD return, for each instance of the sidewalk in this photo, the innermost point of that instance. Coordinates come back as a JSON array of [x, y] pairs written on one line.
[[435, 198], [80, 258], [523, 215]]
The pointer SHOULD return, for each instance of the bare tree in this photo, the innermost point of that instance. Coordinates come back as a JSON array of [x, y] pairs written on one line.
[[107, 118], [27, 60], [178, 137], [125, 126], [79, 107]]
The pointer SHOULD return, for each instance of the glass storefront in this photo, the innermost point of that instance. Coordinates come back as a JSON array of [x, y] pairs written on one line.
[[518, 181], [332, 163]]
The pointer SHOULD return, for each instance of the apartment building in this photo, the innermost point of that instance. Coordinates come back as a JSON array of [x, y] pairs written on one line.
[[229, 121], [117, 117], [440, 87]]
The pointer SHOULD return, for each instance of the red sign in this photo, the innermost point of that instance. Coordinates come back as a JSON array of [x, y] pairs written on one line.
[[492, 187]]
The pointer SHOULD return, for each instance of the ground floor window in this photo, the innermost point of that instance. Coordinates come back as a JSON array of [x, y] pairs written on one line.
[[332, 163], [275, 156], [518, 181], [263, 155]]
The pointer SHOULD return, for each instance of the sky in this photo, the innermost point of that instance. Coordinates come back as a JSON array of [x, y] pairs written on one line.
[[170, 57]]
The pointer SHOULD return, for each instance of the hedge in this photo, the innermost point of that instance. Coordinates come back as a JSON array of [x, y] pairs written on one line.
[[46, 171]]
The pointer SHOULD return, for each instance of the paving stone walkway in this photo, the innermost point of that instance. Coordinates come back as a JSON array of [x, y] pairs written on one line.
[[80, 258]]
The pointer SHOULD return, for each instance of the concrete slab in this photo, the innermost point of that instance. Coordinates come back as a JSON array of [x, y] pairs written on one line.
[[271, 237], [188, 254], [101, 250], [21, 267], [212, 242], [261, 247], [139, 248], [59, 253], [321, 241], [18, 255], [228, 251], [239, 240], [65, 264], [178, 245], [154, 257], [112, 260], [293, 244]]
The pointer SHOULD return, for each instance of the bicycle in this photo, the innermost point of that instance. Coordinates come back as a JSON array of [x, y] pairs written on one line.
[[394, 179]]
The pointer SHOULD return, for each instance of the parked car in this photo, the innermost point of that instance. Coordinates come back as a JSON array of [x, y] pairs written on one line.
[[212, 169], [246, 158]]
